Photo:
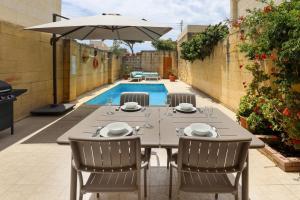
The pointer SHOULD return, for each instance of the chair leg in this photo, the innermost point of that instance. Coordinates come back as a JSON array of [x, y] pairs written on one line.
[[236, 196], [139, 194], [148, 155], [216, 196], [145, 182], [169, 155], [170, 184], [98, 195], [80, 196]]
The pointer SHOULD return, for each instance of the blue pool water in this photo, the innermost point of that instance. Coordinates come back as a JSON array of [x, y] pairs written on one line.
[[157, 92]]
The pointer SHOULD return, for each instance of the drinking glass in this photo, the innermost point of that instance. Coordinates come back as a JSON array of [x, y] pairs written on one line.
[[208, 112], [109, 104], [168, 104], [147, 113]]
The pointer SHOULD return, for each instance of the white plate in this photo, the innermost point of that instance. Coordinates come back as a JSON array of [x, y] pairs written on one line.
[[188, 132], [186, 111], [200, 129], [105, 132], [138, 107]]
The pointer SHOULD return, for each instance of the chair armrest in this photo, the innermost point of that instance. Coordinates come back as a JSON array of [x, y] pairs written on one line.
[[173, 164], [245, 165], [144, 164], [73, 164]]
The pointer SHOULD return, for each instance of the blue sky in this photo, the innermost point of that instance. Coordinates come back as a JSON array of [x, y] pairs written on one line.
[[167, 12]]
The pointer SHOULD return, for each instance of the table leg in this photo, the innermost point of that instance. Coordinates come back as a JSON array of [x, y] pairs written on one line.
[[73, 185], [245, 181], [148, 154]]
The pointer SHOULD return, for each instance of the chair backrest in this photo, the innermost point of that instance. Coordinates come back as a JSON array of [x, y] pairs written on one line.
[[212, 154], [142, 98], [174, 99], [98, 154]]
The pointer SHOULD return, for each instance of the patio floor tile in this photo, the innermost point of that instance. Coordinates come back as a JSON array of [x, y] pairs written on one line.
[[42, 171]]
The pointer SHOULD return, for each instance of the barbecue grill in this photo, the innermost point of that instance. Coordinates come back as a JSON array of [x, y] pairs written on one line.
[[7, 98]]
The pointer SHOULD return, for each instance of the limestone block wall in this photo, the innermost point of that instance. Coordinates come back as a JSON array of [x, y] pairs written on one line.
[[243, 5], [26, 62], [219, 75], [152, 61], [115, 68], [29, 12], [80, 75], [133, 61]]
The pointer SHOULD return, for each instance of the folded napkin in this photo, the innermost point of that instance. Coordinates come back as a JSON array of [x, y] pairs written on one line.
[[117, 128], [131, 105], [186, 106]]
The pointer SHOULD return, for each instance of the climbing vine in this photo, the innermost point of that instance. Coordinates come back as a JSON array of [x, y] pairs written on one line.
[[202, 44], [271, 40]]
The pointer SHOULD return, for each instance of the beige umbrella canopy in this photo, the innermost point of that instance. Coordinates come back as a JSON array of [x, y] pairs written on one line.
[[105, 26]]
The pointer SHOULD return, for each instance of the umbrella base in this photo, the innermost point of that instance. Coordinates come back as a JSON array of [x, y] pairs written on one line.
[[53, 109]]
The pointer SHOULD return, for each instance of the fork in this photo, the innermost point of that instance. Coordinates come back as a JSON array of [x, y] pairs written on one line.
[[97, 131], [179, 131]]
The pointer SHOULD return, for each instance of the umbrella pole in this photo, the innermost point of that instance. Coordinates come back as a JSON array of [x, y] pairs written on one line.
[[54, 67], [54, 39]]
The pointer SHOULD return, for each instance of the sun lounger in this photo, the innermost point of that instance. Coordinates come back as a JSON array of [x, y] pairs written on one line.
[[136, 75], [151, 76]]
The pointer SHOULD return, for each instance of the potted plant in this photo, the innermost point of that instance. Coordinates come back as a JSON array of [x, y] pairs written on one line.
[[172, 75], [126, 72], [246, 107]]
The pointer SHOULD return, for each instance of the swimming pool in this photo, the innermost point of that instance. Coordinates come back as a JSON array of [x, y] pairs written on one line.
[[157, 93]]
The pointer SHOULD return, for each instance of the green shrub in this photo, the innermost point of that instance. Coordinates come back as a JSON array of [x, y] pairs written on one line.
[[202, 44]]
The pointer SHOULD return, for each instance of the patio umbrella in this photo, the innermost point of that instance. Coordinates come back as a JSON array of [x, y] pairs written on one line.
[[105, 26]]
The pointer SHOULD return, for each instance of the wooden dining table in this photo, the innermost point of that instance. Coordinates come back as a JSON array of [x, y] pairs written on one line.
[[165, 130]]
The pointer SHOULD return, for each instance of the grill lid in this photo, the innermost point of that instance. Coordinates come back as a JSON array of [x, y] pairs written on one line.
[[5, 87]]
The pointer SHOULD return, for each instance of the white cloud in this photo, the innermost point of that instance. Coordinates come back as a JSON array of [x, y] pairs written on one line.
[[168, 12]]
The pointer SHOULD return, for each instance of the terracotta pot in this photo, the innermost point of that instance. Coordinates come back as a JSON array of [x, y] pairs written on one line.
[[172, 78], [126, 77], [270, 139], [296, 144], [243, 122]]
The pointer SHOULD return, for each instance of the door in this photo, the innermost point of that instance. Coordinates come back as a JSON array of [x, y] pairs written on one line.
[[167, 66]]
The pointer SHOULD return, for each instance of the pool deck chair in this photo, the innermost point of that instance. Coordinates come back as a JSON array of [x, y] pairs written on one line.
[[174, 99], [136, 75], [142, 98], [205, 164], [151, 76], [114, 165]]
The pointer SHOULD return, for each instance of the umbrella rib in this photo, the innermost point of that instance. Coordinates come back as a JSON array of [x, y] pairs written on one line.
[[104, 27], [89, 33], [71, 31], [118, 28], [145, 33], [152, 31]]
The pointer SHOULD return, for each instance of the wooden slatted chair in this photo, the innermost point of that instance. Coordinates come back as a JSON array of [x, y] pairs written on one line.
[[142, 98], [203, 165], [174, 99], [114, 165]]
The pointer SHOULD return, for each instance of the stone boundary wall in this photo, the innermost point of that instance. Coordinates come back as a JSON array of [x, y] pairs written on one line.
[[219, 75], [80, 75], [152, 61], [26, 62]]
